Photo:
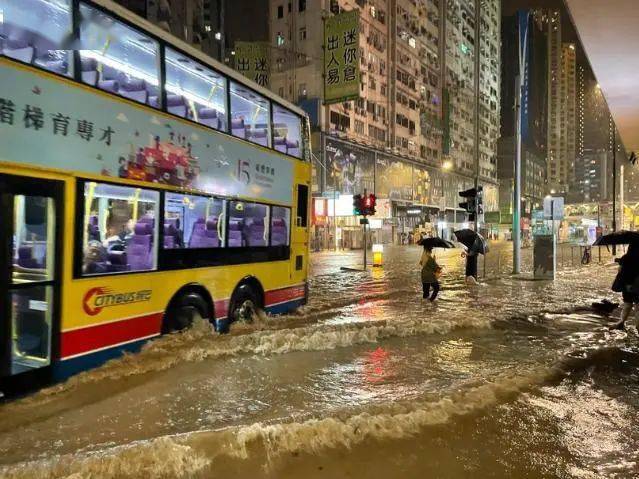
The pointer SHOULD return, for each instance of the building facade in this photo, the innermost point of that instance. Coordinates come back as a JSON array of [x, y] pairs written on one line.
[[416, 121]]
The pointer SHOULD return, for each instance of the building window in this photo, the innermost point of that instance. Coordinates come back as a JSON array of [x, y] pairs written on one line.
[[301, 5], [302, 33], [302, 91], [280, 11]]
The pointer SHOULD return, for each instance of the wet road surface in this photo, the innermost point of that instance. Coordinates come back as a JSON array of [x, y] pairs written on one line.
[[509, 378]]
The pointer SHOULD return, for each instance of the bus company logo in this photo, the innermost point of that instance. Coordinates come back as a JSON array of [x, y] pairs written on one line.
[[96, 299]]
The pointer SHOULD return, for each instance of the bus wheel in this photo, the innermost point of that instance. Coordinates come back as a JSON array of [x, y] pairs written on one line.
[[184, 311], [245, 304]]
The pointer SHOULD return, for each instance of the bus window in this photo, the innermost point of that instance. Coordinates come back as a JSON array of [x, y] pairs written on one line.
[[250, 115], [280, 222], [194, 91], [287, 131], [247, 224], [120, 231], [33, 257], [35, 32], [117, 58], [193, 222]]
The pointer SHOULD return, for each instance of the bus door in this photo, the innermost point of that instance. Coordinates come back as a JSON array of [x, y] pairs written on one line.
[[30, 265]]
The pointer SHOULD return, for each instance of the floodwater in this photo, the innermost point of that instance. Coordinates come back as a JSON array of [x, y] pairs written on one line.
[[509, 378]]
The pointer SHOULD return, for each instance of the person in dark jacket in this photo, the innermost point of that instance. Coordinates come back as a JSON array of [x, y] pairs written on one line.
[[627, 283], [430, 271]]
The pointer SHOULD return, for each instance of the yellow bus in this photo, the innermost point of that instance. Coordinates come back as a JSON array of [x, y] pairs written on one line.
[[142, 185]]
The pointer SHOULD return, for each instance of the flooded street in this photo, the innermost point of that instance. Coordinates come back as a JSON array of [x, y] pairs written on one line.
[[510, 378]]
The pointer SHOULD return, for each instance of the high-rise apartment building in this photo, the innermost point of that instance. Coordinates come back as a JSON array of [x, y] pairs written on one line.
[[568, 125], [554, 174], [534, 108]]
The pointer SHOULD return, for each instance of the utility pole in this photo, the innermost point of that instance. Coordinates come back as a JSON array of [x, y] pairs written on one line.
[[220, 23], [523, 54], [477, 99], [621, 197], [614, 184]]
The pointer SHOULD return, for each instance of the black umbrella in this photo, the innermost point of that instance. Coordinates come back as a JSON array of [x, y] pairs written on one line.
[[437, 242], [617, 238], [473, 241]]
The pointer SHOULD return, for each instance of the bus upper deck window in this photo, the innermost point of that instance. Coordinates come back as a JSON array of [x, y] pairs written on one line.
[[117, 58], [250, 115], [195, 92], [287, 131], [37, 32]]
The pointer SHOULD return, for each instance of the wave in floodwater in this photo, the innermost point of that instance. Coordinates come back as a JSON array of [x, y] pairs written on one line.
[[201, 343], [191, 454]]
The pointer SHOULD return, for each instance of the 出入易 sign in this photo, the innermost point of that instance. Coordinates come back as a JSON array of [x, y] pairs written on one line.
[[341, 57]]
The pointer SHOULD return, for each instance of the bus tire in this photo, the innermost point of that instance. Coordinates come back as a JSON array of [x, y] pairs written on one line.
[[183, 312], [245, 303]]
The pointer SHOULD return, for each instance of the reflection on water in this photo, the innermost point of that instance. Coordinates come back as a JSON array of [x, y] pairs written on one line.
[[510, 378]]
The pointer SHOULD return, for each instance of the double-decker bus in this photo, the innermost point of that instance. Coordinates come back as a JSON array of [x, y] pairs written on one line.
[[142, 186]]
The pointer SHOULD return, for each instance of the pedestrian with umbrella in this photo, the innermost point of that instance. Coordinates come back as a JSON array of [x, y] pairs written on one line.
[[627, 280], [475, 245], [430, 269]]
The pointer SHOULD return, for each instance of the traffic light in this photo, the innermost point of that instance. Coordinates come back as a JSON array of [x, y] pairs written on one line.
[[364, 205], [357, 205], [370, 201], [474, 204]]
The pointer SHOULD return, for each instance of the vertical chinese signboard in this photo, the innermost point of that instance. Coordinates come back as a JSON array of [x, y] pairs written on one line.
[[252, 60], [341, 57]]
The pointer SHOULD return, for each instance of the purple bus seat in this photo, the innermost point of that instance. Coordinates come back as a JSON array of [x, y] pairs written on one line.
[[118, 261], [254, 232], [208, 117], [139, 257], [279, 232], [199, 239], [279, 142], [109, 85], [238, 128], [235, 232], [18, 43], [169, 242], [148, 220], [134, 89], [176, 105], [293, 147], [258, 136], [142, 235], [110, 73], [170, 236], [89, 69], [26, 259]]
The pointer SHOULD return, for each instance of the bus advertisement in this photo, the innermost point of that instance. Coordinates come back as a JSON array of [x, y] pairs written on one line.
[[143, 186]]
